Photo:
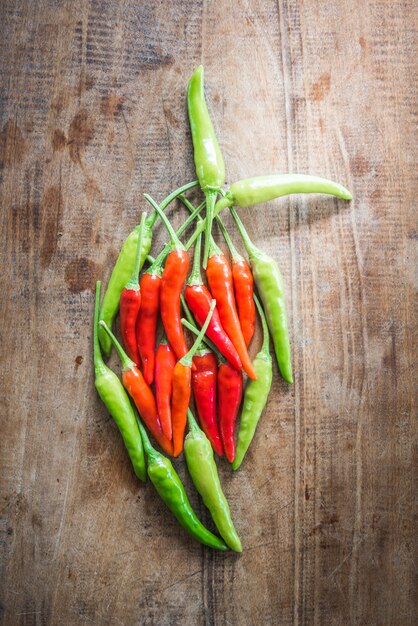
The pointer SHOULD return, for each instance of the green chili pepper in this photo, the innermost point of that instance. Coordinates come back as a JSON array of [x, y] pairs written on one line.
[[170, 488], [202, 468], [125, 264], [264, 188], [256, 394], [116, 400], [270, 286], [210, 168]]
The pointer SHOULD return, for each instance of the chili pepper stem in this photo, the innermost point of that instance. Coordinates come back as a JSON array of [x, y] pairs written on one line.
[[187, 359], [176, 243], [192, 421], [210, 206], [127, 363], [195, 277], [236, 256], [133, 282], [265, 345], [158, 262], [187, 324], [187, 311], [99, 366], [249, 246], [172, 196], [149, 449]]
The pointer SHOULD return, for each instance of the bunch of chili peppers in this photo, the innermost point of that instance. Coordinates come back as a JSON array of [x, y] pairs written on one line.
[[160, 377]]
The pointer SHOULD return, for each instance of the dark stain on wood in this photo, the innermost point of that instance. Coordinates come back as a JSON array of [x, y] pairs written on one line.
[[320, 89], [12, 144], [51, 217], [112, 105], [59, 140], [80, 133], [81, 274], [360, 165]]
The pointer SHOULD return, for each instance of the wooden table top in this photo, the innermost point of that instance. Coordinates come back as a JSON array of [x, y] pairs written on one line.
[[93, 115]]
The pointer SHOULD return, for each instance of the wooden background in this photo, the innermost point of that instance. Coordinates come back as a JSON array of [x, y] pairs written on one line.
[[92, 116]]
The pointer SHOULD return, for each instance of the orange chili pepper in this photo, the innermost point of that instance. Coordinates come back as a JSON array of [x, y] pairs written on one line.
[[219, 277], [182, 376], [172, 283], [243, 287], [165, 361], [141, 393]]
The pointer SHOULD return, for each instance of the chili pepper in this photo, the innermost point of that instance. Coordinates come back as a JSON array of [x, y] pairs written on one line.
[[204, 380], [130, 303], [243, 288], [172, 283], [219, 277], [252, 191], [256, 394], [147, 318], [182, 388], [141, 393], [229, 400], [210, 168], [269, 282], [124, 266], [202, 469], [262, 188], [171, 490], [115, 399], [198, 298], [165, 361]]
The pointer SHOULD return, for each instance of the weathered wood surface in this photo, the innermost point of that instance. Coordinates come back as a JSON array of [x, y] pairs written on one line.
[[92, 116]]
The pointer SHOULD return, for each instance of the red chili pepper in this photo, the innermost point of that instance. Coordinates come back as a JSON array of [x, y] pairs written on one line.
[[219, 277], [199, 298], [204, 380], [172, 283], [146, 324], [140, 393], [243, 288], [182, 388], [165, 361], [229, 400], [130, 303]]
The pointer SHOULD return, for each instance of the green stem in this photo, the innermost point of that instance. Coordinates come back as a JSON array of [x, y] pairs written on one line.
[[195, 277], [213, 248], [210, 206], [202, 224], [236, 257], [127, 363], [149, 449], [192, 422], [172, 196], [187, 310], [173, 236], [157, 263], [266, 342], [99, 364], [187, 324], [249, 246], [133, 282], [187, 359]]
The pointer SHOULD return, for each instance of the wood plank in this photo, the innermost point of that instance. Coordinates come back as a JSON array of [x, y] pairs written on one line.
[[92, 115]]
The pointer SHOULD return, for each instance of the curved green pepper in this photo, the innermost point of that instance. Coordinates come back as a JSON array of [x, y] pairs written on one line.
[[252, 191], [168, 484], [116, 400], [210, 167], [124, 266], [270, 286], [256, 394], [202, 468]]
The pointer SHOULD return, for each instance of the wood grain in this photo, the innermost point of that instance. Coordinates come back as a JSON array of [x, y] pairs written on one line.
[[93, 115]]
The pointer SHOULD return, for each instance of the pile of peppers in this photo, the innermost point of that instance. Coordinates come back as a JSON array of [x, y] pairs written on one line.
[[218, 310]]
